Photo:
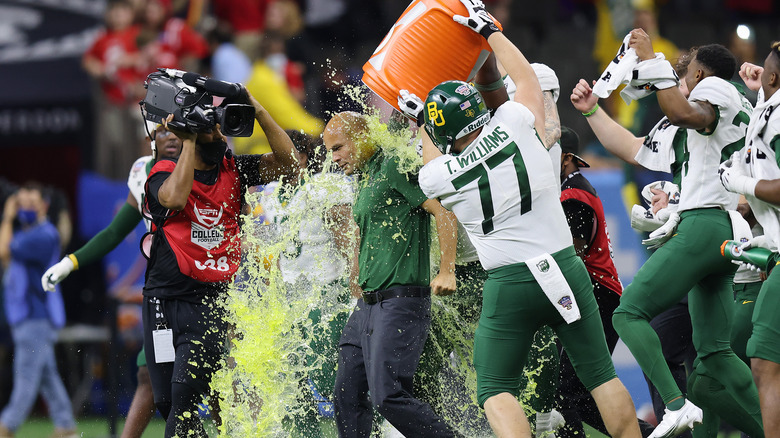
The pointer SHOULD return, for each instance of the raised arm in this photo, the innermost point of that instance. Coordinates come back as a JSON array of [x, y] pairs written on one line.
[[679, 111], [529, 93], [175, 190], [552, 121], [490, 83], [618, 140], [7, 230], [283, 159]]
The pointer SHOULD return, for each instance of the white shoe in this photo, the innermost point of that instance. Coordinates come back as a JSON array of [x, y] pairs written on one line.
[[677, 422], [547, 423]]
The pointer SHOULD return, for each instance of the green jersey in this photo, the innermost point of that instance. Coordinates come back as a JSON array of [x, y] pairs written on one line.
[[394, 229]]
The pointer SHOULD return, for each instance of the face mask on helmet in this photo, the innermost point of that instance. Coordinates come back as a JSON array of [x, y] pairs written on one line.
[[453, 110]]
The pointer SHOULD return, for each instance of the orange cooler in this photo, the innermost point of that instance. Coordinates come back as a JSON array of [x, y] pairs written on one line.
[[424, 48]]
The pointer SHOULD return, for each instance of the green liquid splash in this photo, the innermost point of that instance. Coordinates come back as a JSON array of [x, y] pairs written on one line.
[[285, 334]]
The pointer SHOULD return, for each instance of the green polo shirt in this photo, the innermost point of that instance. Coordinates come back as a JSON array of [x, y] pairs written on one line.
[[394, 229]]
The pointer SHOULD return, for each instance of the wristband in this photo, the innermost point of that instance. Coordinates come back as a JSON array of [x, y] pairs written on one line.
[[591, 112], [493, 86], [489, 29], [749, 186], [75, 261]]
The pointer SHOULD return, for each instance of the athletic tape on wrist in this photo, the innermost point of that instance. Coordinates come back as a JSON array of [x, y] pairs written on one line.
[[493, 86]]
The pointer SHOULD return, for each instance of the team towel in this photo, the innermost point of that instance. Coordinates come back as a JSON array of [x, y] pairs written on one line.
[[643, 77], [549, 276]]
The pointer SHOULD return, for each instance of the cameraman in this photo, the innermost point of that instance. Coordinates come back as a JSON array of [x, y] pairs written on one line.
[[195, 203]]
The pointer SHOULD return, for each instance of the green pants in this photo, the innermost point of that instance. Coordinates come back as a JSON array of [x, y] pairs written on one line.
[[515, 308], [745, 296], [322, 331], [764, 343], [689, 261]]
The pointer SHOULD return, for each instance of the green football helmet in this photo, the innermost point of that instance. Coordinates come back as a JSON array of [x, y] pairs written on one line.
[[452, 110]]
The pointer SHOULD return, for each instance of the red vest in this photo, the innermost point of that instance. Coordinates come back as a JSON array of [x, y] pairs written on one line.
[[204, 235], [598, 257]]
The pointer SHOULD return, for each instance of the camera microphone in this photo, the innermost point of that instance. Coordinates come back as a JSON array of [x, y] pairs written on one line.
[[218, 88]]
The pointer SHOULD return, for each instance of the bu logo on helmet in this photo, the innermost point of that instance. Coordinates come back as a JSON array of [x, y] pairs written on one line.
[[435, 115]]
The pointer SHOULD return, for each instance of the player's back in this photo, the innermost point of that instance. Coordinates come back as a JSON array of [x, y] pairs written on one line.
[[503, 190]]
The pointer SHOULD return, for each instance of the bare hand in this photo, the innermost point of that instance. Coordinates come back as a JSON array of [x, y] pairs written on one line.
[[751, 75], [10, 209], [582, 97], [640, 41], [183, 135], [659, 200], [443, 284]]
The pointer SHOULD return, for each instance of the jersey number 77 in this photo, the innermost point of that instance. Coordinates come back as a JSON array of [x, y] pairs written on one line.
[[480, 174]]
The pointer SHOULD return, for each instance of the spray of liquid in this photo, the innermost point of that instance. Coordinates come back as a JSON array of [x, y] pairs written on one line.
[[283, 342]]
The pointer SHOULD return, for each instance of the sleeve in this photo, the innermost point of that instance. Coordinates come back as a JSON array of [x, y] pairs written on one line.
[[714, 90], [153, 185], [405, 183], [249, 170], [431, 182], [772, 133], [36, 245], [514, 114], [581, 219], [137, 178], [107, 239]]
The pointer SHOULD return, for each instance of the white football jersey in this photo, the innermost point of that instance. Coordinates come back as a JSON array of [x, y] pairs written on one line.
[[503, 190], [700, 186], [136, 182], [761, 155], [312, 252]]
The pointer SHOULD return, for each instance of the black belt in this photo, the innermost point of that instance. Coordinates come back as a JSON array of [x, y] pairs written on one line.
[[396, 292]]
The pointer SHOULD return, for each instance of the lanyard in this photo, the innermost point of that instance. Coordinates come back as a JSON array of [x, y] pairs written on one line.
[[159, 316]]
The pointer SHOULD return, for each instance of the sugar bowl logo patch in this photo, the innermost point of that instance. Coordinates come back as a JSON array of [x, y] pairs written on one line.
[[463, 90], [207, 232], [565, 302]]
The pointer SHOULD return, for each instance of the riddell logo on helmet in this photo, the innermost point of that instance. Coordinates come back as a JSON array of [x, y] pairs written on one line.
[[474, 125]]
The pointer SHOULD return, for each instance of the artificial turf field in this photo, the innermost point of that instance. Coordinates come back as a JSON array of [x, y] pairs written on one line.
[[96, 427]]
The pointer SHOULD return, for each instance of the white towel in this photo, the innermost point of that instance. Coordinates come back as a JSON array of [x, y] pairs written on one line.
[[549, 276], [643, 219], [648, 77], [618, 69], [739, 227], [643, 77], [671, 190]]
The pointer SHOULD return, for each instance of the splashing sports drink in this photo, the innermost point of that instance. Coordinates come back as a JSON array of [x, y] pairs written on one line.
[[761, 257], [424, 48]]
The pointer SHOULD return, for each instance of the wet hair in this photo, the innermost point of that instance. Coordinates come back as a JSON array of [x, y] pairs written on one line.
[[311, 147], [685, 58], [717, 60]]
